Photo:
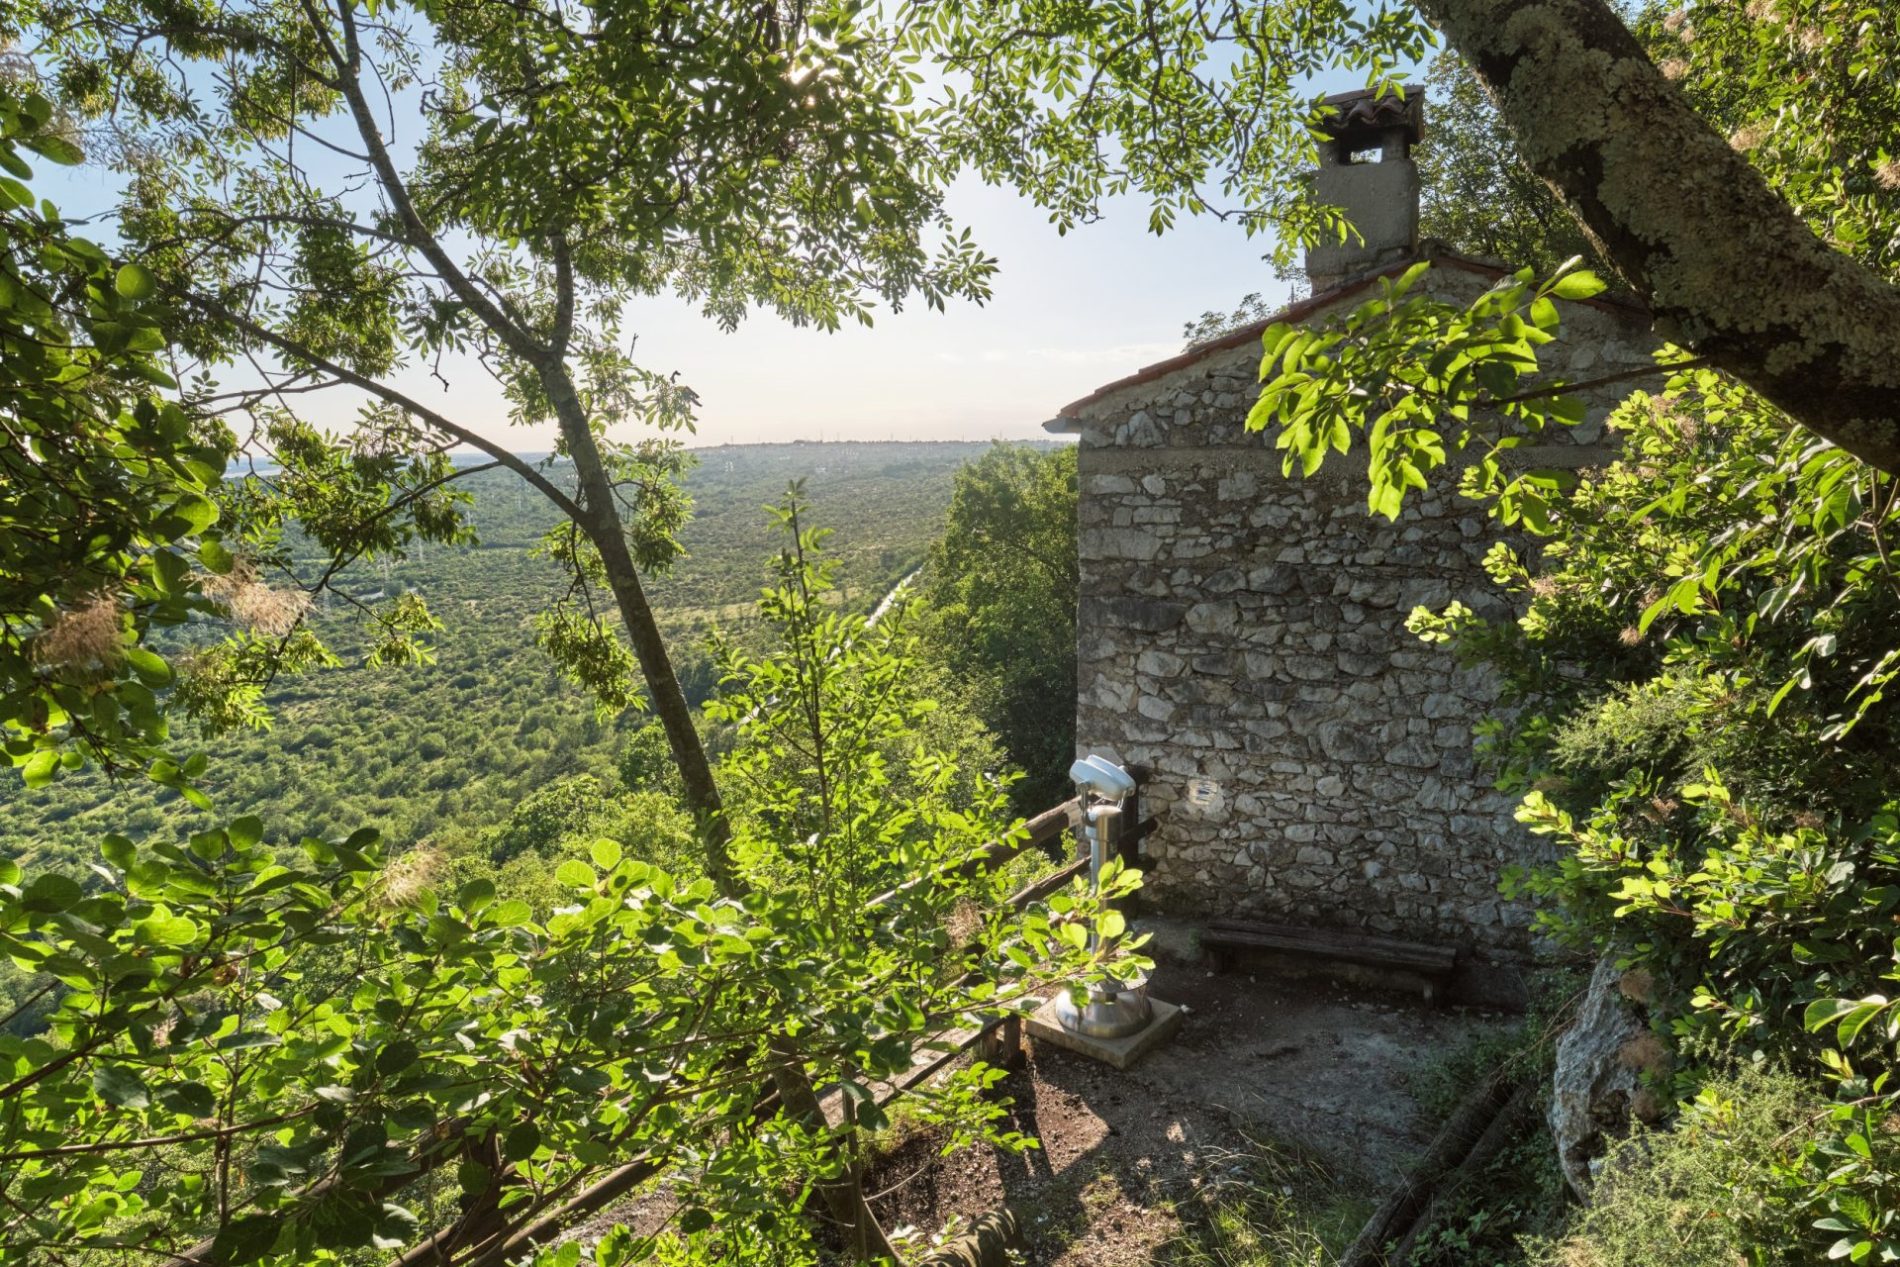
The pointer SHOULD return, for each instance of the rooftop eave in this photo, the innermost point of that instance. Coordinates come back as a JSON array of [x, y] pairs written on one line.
[[1068, 420]]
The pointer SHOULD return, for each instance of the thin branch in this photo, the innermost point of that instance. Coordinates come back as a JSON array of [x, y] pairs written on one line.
[[154, 1141], [1623, 376], [382, 391], [348, 60]]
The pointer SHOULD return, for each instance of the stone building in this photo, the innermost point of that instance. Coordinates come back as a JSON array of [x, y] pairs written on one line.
[[1242, 634]]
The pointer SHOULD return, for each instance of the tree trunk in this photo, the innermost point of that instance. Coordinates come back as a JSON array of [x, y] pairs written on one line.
[[1726, 266], [609, 536], [843, 1196]]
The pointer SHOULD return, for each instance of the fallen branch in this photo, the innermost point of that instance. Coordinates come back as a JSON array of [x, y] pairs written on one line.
[[1453, 1143], [988, 1244]]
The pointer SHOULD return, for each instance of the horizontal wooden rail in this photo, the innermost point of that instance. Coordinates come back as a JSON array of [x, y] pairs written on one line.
[[956, 1043], [441, 1142], [1050, 825]]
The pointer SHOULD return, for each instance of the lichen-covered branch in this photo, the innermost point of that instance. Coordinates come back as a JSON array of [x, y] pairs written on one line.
[[1724, 263]]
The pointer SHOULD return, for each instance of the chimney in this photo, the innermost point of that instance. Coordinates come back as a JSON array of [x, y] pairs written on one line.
[[1366, 170]]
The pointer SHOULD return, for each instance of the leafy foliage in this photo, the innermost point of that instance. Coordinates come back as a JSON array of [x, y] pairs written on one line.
[[1698, 682], [1697, 689], [1000, 601], [1725, 1185], [1797, 86], [842, 797], [1421, 378], [1201, 110], [442, 751], [1212, 325], [259, 1050], [107, 506]]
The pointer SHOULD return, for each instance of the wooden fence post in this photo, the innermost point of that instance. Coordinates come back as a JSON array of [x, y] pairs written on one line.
[[1002, 1044]]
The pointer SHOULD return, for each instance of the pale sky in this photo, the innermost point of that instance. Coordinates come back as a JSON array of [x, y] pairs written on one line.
[[1068, 314]]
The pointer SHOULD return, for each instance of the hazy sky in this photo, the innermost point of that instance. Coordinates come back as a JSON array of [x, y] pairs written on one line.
[[1068, 314]]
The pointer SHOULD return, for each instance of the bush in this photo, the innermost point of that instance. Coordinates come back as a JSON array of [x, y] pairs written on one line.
[[1727, 1185], [1270, 1207], [1718, 778]]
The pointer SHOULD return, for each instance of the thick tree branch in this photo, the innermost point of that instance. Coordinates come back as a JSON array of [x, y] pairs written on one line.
[[563, 296], [1727, 267]]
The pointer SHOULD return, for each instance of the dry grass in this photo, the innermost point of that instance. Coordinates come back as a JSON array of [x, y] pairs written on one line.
[[1266, 1207]]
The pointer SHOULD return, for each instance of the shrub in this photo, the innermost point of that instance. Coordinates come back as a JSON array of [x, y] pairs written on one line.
[[1727, 1185]]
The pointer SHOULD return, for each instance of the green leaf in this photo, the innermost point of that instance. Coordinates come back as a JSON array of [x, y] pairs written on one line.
[[152, 668], [245, 1240], [1856, 1019], [510, 914], [476, 894], [575, 874], [1581, 284], [521, 1142], [189, 1099], [619, 1247], [216, 558], [119, 1086], [39, 768], [119, 851], [55, 147], [196, 510], [162, 928], [135, 282], [396, 1057], [606, 854], [1822, 1012], [51, 892]]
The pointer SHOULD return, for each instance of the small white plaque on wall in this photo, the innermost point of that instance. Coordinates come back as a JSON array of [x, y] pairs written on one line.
[[1206, 797]]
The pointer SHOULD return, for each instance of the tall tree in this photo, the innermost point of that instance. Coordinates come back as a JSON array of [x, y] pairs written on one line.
[[335, 193], [1000, 594]]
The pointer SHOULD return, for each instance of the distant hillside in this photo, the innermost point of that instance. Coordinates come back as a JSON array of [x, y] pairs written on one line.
[[452, 747]]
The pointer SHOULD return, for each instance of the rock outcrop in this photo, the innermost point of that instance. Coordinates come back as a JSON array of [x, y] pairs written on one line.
[[1601, 1061]]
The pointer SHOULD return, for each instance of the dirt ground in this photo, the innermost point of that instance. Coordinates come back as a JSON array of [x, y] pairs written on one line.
[[1326, 1072]]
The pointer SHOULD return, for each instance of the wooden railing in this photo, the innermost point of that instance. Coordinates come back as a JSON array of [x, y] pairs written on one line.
[[477, 1242]]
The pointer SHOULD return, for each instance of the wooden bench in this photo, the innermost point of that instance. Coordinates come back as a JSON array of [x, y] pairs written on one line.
[[1432, 966]]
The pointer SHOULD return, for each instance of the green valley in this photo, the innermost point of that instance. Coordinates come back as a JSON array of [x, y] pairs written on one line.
[[450, 748]]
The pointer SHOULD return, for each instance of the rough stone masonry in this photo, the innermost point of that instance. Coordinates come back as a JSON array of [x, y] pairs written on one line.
[[1241, 632]]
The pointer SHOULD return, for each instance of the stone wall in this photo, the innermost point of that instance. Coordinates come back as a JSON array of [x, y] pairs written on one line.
[[1242, 636]]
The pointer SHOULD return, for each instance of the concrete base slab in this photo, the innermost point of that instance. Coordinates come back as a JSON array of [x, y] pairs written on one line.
[[1119, 1052]]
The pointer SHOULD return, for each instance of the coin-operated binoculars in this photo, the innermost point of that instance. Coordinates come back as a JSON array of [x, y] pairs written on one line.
[[1113, 1008]]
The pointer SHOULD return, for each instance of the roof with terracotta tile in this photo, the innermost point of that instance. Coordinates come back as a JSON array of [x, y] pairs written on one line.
[[1366, 110]]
